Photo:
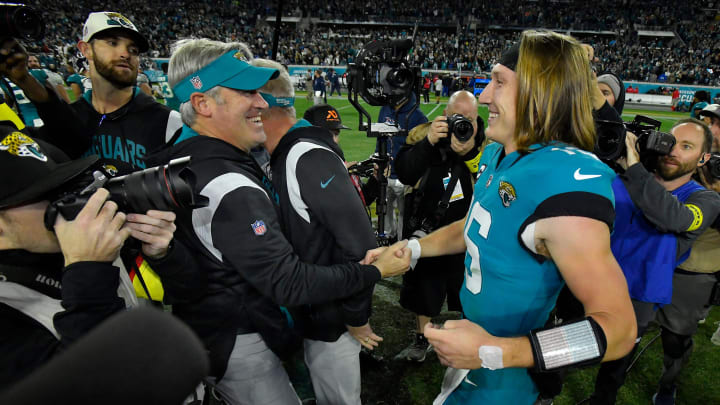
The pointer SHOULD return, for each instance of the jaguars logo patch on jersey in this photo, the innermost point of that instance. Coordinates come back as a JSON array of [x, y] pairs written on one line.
[[507, 193], [21, 145]]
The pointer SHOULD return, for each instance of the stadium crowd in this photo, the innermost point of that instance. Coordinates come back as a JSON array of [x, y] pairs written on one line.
[[690, 56]]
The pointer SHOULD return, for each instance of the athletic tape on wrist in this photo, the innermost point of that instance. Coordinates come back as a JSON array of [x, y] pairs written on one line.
[[491, 356], [415, 251]]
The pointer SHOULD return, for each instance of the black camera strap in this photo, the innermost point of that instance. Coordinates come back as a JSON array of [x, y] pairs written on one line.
[[444, 202]]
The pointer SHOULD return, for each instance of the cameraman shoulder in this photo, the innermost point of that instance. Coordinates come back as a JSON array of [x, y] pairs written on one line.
[[418, 133]]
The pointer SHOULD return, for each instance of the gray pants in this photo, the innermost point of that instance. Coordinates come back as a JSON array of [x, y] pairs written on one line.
[[679, 321], [395, 198], [334, 370], [255, 375]]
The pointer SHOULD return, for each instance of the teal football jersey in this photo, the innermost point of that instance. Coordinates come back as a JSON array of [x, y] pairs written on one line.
[[509, 289]]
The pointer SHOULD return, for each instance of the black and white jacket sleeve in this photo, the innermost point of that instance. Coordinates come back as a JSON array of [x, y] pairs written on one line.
[[240, 227], [330, 196]]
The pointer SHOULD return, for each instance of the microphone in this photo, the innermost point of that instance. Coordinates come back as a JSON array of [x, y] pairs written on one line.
[[141, 356]]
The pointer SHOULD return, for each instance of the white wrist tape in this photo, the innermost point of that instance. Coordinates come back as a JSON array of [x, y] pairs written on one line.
[[415, 251], [491, 356]]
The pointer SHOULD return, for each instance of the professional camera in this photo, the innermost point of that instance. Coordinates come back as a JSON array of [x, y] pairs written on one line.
[[713, 166], [163, 188], [651, 143], [382, 73], [461, 127], [366, 168], [20, 21]]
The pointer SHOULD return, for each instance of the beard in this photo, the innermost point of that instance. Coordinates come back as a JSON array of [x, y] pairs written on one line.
[[672, 173], [121, 79]]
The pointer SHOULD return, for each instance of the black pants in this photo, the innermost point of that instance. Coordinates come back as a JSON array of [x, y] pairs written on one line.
[[612, 374]]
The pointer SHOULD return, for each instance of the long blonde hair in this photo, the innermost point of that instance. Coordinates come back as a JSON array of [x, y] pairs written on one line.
[[554, 88]]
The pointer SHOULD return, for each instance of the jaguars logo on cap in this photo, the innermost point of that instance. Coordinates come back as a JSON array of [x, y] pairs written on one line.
[[240, 55], [507, 193], [21, 145], [119, 19]]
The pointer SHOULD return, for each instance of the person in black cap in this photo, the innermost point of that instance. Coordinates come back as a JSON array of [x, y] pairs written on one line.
[[326, 116], [55, 285]]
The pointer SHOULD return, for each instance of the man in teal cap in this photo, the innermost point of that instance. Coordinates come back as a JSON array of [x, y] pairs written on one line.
[[247, 268]]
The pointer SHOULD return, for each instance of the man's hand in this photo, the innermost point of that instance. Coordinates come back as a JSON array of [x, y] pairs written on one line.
[[13, 60], [13, 65], [631, 155], [96, 234], [457, 343], [391, 263], [438, 130], [155, 230], [365, 335], [462, 148]]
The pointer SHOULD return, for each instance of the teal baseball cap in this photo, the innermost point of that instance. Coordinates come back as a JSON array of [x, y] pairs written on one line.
[[231, 70]]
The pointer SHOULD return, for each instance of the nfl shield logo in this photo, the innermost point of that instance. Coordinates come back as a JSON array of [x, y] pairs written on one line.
[[196, 82], [259, 227]]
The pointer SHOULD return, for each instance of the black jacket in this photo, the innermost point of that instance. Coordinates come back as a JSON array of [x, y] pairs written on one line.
[[419, 157], [325, 222], [248, 265], [87, 292], [122, 138]]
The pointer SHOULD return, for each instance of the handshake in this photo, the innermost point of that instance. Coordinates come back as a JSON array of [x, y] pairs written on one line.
[[393, 260]]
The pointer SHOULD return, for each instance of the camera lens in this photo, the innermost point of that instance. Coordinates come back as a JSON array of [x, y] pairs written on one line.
[[399, 77], [21, 22], [463, 130]]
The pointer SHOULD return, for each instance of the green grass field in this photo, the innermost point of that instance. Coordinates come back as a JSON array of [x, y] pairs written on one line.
[[391, 382]]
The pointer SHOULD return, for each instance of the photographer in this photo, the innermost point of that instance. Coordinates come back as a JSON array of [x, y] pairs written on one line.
[[237, 240], [441, 169], [696, 286], [398, 115], [659, 214], [54, 286], [711, 116]]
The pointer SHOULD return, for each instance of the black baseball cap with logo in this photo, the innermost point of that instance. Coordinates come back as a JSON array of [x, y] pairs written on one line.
[[32, 168], [324, 115]]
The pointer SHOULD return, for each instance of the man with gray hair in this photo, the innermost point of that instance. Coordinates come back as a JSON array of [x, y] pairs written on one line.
[[248, 266], [326, 223]]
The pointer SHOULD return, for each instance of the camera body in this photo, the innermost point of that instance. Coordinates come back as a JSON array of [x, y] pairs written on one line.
[[382, 73], [651, 142], [164, 188], [20, 21], [366, 168], [713, 166], [461, 127]]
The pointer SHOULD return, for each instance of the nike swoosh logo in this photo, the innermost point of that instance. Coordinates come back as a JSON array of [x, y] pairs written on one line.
[[579, 176], [324, 184], [467, 380]]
